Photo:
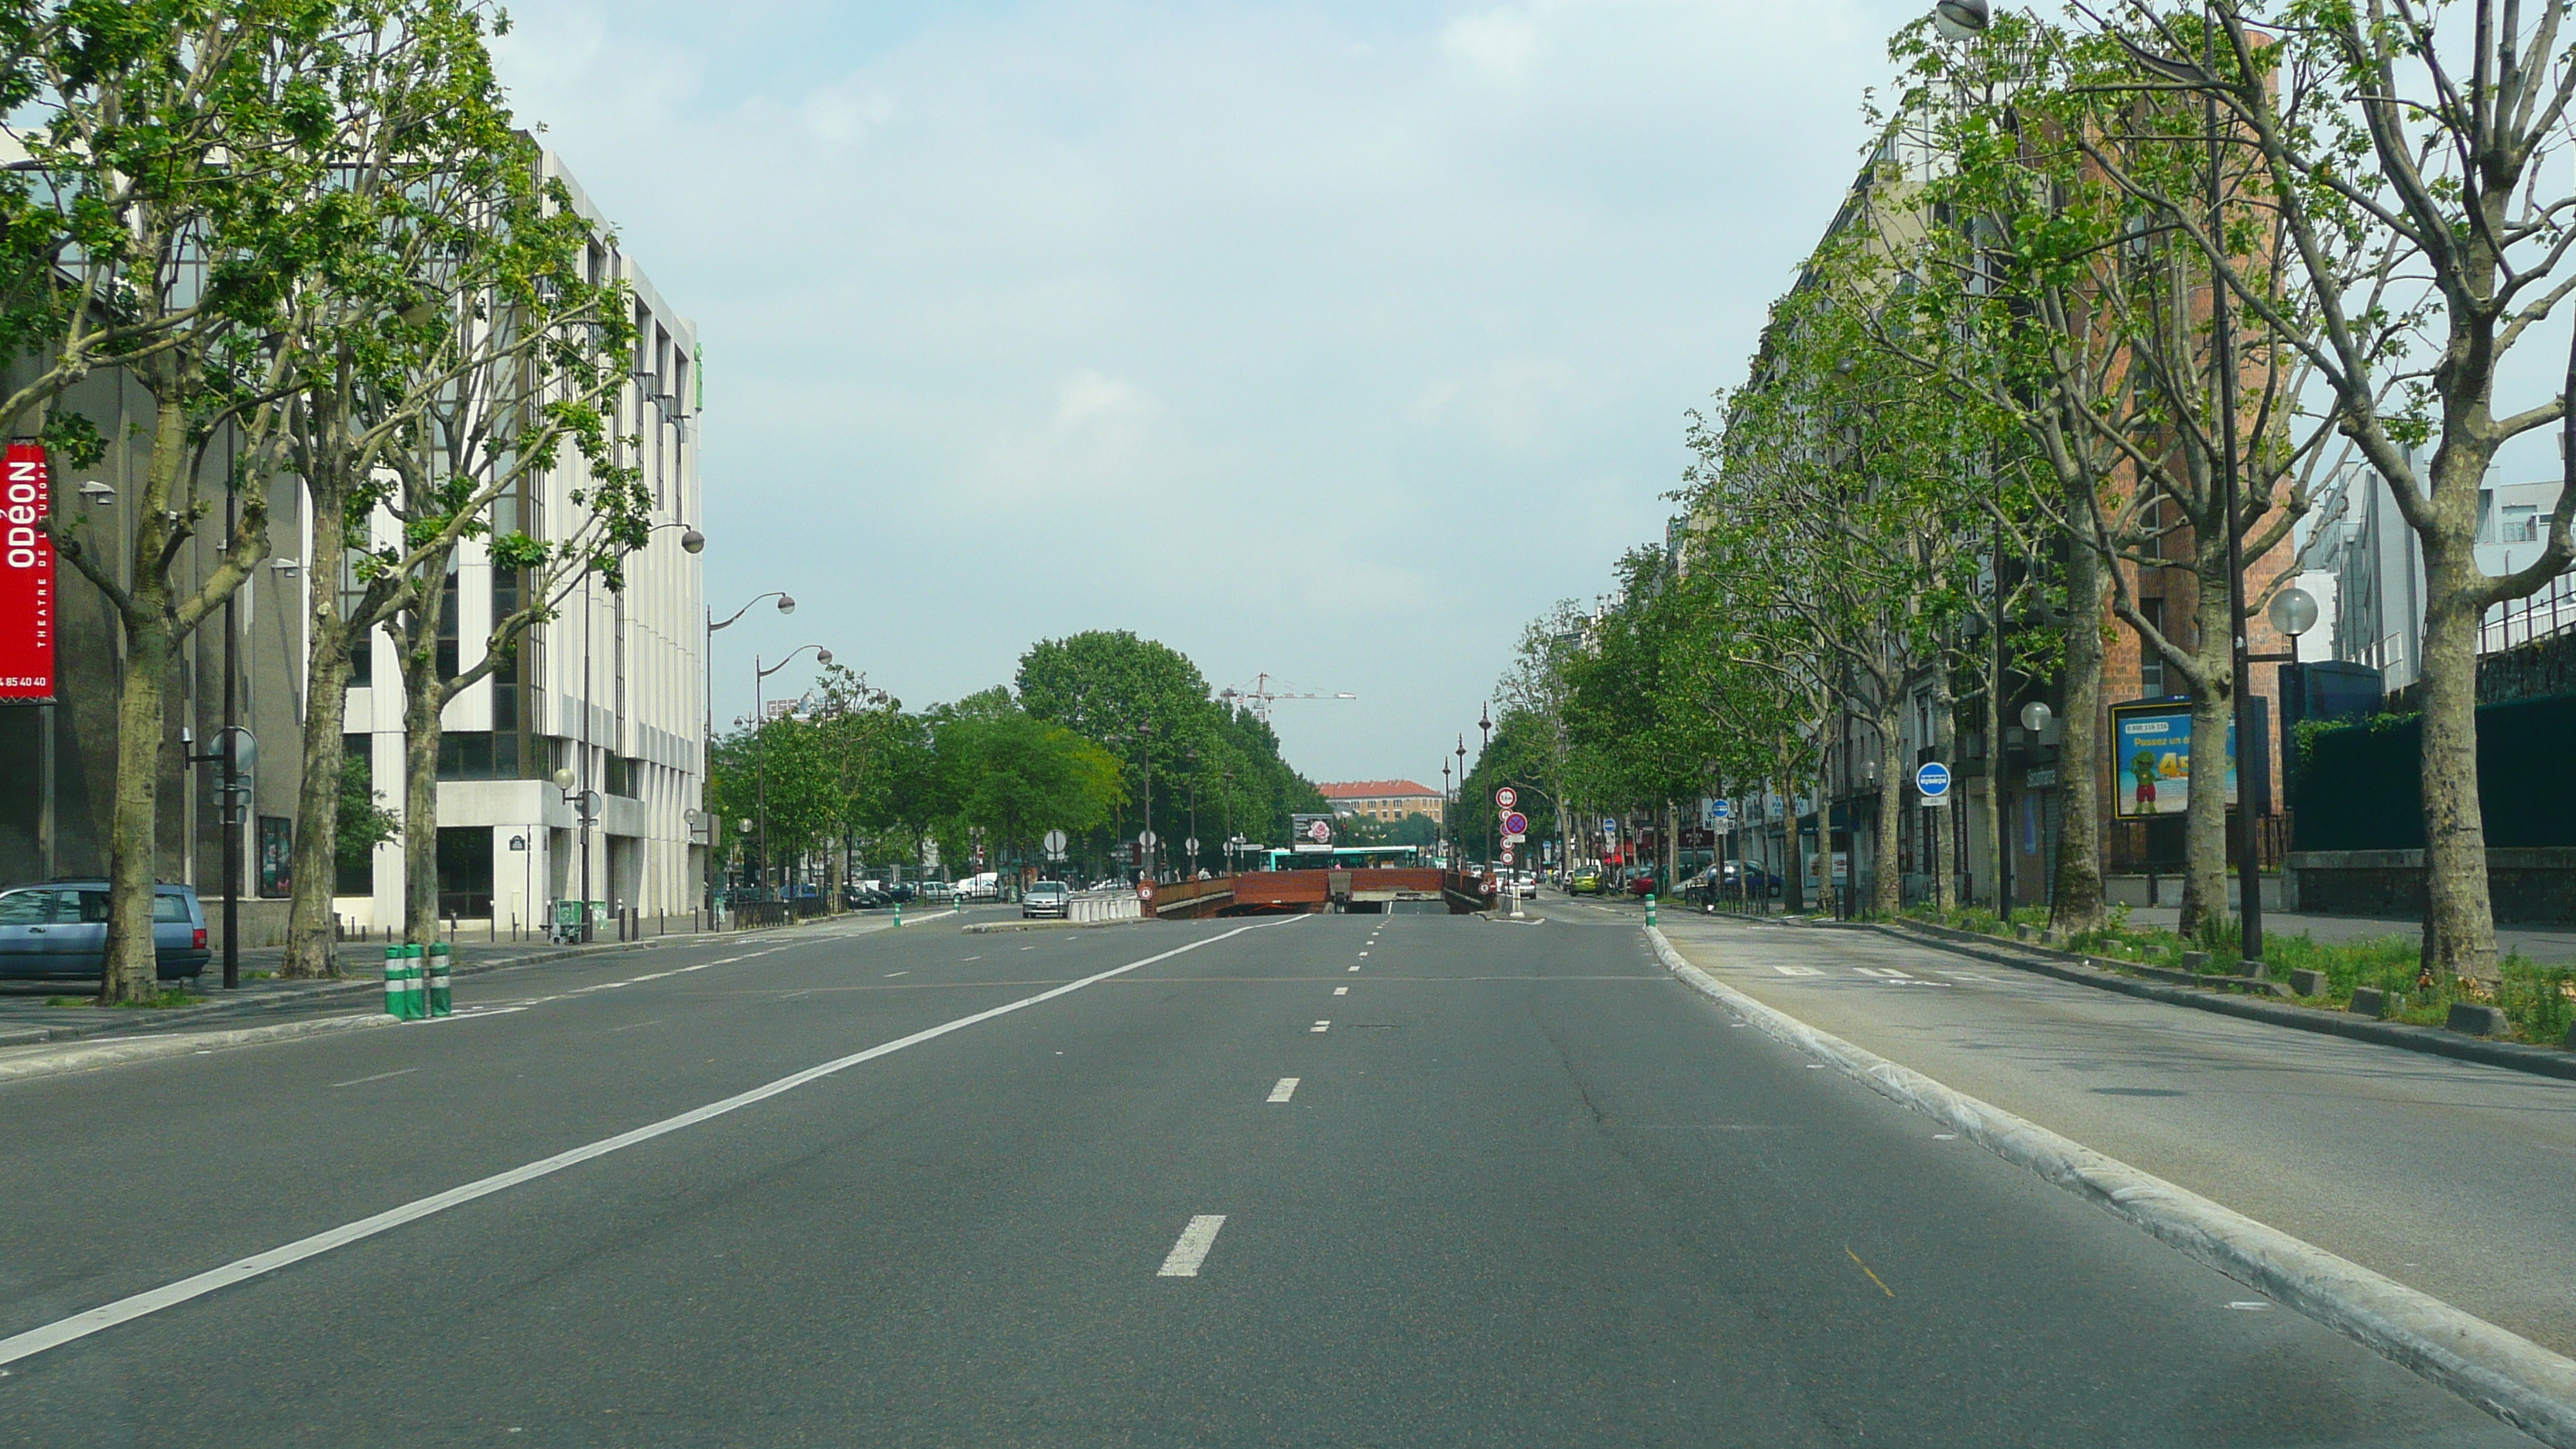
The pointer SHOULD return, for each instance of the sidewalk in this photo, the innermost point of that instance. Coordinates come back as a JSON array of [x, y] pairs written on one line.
[[2453, 1178], [2544, 944]]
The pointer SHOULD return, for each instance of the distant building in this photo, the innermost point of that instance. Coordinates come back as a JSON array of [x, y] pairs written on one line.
[[2378, 565], [1386, 800]]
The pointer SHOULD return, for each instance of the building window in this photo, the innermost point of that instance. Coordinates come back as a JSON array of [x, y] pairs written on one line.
[[362, 652], [478, 755], [448, 598]]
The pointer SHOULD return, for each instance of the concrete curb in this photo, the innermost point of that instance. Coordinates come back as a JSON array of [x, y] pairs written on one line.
[[179, 1044], [2433, 1041], [2509, 1376]]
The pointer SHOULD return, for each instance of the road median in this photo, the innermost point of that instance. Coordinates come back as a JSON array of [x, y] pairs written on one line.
[[2507, 1375]]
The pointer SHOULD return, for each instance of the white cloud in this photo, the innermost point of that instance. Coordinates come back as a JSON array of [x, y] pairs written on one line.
[[1197, 320]]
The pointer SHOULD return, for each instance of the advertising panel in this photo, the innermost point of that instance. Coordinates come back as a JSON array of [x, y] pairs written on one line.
[[26, 579], [1311, 834], [2151, 758]]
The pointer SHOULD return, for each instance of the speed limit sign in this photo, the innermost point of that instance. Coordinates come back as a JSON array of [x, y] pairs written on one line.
[[1507, 797]]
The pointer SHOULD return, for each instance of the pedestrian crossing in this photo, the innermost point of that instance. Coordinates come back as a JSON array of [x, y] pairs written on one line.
[[1881, 975]]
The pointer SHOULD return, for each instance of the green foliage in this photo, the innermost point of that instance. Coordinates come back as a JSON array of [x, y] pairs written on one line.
[[363, 822]]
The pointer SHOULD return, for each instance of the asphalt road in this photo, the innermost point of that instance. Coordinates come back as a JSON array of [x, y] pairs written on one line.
[[1525, 1190], [2452, 1177]]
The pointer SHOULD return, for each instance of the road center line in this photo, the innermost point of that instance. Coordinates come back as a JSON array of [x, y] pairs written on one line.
[[1192, 1249], [1286, 1089], [378, 1077], [170, 1295]]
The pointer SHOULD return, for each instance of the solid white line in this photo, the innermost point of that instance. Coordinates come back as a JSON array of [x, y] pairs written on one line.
[[126, 1310], [1286, 1089], [378, 1077], [1192, 1249]]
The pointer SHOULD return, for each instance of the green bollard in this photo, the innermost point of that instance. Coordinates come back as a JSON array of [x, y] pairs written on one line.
[[898, 915], [394, 999], [415, 985], [442, 996], [1650, 908]]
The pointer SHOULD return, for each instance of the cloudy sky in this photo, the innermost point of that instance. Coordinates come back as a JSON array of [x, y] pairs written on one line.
[[1332, 340]]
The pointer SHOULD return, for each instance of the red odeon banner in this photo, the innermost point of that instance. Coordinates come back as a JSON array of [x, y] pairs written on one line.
[[26, 579]]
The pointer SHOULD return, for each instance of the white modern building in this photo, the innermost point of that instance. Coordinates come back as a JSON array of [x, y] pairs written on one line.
[[613, 689]]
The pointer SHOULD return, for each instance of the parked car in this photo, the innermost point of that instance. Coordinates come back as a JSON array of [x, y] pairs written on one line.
[[937, 892], [1526, 882], [869, 898], [1047, 898], [903, 890], [1587, 882], [60, 929], [1641, 881]]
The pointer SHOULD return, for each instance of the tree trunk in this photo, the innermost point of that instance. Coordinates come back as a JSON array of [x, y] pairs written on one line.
[[312, 928], [1793, 873], [2076, 903], [1886, 886], [2459, 913], [1939, 859], [421, 701], [2204, 826], [134, 844], [1993, 805]]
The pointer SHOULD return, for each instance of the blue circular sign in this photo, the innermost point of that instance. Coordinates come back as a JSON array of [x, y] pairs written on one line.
[[1933, 780]]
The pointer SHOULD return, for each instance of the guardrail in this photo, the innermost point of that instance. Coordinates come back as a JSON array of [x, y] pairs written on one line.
[[1117, 906]]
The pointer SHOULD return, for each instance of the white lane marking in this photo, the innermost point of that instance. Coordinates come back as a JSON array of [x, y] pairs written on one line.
[[169, 1295], [632, 1025], [1893, 974], [1341, 991], [1945, 1136], [1355, 968], [2249, 1306], [1028, 948], [973, 958], [1321, 1026], [378, 1077], [1363, 953], [1192, 1249], [1286, 1089], [1869, 971], [1797, 970], [893, 974]]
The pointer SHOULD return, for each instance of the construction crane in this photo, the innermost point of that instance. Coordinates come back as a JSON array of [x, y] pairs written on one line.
[[1261, 696]]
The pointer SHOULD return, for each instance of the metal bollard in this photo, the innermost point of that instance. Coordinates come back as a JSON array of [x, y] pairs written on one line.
[[442, 997], [1650, 908], [415, 984], [898, 915], [396, 1001]]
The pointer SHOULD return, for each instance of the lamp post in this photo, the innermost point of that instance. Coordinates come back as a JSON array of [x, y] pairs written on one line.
[[1448, 828], [1458, 847], [1146, 840], [1191, 759], [760, 743], [585, 805], [707, 668], [1493, 818]]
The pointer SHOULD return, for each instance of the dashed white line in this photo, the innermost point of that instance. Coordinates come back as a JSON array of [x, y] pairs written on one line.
[[378, 1077], [1192, 1249], [1321, 1026], [1286, 1089], [893, 974], [1797, 970], [1355, 968], [169, 1295], [1341, 991]]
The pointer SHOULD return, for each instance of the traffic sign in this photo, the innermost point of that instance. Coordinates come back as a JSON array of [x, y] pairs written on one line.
[[1933, 779], [1507, 797], [1507, 854], [1055, 842], [1146, 839], [1516, 824], [1190, 846]]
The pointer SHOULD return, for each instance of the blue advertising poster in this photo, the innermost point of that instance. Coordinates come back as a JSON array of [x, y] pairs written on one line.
[[2151, 758]]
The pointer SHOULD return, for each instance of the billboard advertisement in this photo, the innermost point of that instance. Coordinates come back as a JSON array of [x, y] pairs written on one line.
[[26, 579], [1311, 834], [2151, 758]]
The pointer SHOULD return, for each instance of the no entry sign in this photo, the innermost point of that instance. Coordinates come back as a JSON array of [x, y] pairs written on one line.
[[26, 578]]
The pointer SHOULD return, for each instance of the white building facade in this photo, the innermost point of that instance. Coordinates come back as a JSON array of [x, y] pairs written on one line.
[[613, 688]]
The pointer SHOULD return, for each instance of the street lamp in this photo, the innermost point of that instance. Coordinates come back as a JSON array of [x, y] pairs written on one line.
[[585, 805], [1448, 828], [760, 740], [1493, 818], [1960, 19], [1191, 842], [707, 670]]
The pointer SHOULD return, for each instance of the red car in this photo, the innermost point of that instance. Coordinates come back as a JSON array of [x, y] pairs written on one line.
[[1641, 882]]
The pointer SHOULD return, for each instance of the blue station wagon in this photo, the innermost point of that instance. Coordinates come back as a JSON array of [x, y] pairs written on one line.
[[60, 929]]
